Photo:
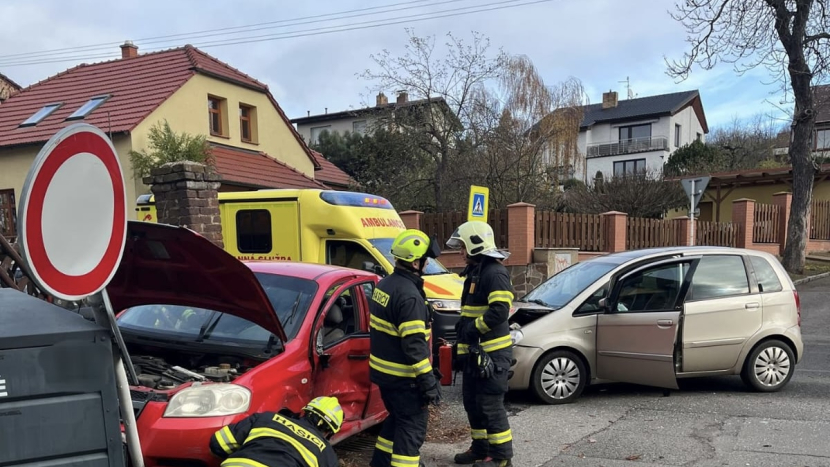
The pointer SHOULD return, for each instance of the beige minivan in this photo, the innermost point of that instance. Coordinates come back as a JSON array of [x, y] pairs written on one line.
[[653, 316]]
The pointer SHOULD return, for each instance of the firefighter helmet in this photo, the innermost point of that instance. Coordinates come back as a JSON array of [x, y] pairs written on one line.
[[329, 411], [477, 238], [412, 244]]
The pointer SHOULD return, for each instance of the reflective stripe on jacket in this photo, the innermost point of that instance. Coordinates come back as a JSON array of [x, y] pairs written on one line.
[[486, 301]]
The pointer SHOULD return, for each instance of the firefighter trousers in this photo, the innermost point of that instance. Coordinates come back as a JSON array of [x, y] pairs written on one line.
[[484, 404], [404, 430]]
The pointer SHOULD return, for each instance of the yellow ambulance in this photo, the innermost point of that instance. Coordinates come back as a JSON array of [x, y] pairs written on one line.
[[342, 228]]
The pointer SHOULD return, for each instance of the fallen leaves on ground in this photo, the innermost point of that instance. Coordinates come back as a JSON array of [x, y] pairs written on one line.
[[633, 457]]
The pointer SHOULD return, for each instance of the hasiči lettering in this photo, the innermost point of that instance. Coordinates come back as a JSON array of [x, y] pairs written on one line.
[[382, 222]]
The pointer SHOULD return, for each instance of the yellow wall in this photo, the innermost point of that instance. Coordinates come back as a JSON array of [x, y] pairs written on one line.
[[187, 111], [15, 164], [762, 194]]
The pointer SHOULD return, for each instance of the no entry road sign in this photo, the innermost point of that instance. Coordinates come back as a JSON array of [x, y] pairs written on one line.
[[73, 213]]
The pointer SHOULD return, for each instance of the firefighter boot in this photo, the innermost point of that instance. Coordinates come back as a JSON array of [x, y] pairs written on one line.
[[490, 462], [468, 457]]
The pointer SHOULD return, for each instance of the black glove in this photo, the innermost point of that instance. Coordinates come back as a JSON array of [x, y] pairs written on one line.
[[433, 395], [482, 362]]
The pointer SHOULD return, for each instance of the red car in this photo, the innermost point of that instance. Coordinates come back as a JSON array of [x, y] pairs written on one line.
[[213, 340]]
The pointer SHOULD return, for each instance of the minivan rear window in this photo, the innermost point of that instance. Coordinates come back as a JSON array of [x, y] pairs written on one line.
[[765, 275], [719, 276]]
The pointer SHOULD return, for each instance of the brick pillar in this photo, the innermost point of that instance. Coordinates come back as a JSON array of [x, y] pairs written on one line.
[[684, 236], [783, 200], [616, 231], [411, 219], [743, 214], [186, 195], [521, 238]]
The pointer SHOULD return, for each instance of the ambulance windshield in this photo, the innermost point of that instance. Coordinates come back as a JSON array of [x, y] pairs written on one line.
[[384, 245]]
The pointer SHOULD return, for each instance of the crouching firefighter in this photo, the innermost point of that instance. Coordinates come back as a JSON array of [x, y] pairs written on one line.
[[484, 350], [269, 439], [399, 359]]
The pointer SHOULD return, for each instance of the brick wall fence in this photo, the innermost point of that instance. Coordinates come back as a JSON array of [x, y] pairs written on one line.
[[753, 226]]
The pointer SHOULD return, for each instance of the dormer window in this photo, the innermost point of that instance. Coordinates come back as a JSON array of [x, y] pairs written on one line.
[[41, 114], [87, 108]]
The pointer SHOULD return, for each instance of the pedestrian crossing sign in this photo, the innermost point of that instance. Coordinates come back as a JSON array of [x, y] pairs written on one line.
[[479, 200]]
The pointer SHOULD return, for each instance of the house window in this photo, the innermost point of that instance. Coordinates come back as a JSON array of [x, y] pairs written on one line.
[[316, 131], [359, 127], [676, 135], [823, 139], [8, 221], [247, 123], [44, 112], [87, 108], [630, 167], [635, 132], [253, 231], [217, 109]]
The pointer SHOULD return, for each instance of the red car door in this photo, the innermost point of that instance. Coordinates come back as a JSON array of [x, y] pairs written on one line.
[[340, 352]]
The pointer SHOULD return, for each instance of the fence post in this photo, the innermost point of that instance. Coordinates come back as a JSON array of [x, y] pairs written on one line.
[[743, 213], [684, 237], [521, 228], [617, 231], [411, 219], [784, 201]]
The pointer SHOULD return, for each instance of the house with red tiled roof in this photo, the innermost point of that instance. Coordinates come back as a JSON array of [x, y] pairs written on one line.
[[253, 143], [331, 175]]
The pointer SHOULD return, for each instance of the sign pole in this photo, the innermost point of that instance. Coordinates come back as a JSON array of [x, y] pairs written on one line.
[[692, 215]]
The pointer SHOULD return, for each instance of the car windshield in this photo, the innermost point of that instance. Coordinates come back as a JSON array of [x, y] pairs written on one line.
[[290, 297], [384, 245], [560, 289]]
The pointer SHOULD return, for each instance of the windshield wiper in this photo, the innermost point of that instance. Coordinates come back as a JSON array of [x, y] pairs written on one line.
[[540, 302], [204, 329], [293, 309]]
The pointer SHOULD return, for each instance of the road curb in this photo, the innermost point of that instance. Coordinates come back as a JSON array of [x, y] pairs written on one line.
[[811, 278]]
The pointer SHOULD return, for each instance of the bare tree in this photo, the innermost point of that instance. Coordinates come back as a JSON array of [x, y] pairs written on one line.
[[449, 80], [529, 132], [644, 194], [745, 143], [792, 41]]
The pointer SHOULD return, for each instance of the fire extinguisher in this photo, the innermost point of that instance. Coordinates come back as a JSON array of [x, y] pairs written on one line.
[[445, 362]]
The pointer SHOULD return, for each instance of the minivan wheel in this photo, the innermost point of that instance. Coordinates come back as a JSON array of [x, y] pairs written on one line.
[[769, 366], [559, 377]]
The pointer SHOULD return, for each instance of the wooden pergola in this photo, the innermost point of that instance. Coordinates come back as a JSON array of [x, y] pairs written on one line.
[[724, 183]]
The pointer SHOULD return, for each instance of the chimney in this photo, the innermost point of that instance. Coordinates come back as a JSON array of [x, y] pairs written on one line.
[[609, 99], [403, 97], [381, 99], [129, 50]]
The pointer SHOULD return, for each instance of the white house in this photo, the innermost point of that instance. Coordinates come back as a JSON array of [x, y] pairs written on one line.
[[623, 136]]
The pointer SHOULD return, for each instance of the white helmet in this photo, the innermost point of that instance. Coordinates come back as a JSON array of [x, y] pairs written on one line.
[[477, 238]]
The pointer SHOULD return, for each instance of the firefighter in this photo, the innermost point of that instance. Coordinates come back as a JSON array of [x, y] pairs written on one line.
[[484, 346], [399, 359], [272, 439]]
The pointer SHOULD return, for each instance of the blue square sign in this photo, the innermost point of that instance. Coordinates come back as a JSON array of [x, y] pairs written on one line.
[[478, 205]]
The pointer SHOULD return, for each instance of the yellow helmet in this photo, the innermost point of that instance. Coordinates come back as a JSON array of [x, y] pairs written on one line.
[[477, 238], [413, 244], [329, 411]]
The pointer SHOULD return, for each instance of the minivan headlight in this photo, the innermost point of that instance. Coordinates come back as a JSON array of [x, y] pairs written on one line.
[[516, 335], [210, 400], [440, 304]]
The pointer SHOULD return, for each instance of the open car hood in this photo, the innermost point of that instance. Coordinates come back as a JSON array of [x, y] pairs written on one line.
[[165, 264]]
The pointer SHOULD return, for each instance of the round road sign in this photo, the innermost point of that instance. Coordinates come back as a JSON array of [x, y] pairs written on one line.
[[73, 213]]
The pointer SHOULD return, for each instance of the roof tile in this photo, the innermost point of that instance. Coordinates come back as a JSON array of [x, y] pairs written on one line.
[[258, 169], [330, 173]]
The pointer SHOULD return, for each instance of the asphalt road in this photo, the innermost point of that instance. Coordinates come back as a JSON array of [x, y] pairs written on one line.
[[709, 422]]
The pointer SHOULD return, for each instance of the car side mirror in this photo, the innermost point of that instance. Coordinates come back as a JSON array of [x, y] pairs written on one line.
[[374, 268], [603, 304]]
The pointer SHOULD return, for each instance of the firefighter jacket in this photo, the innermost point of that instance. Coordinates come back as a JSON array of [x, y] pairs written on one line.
[[399, 332], [486, 301], [269, 439]]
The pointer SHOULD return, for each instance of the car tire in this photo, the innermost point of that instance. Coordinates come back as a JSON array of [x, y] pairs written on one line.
[[769, 367], [559, 377]]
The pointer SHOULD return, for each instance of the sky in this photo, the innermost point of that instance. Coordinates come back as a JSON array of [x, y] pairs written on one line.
[[600, 42]]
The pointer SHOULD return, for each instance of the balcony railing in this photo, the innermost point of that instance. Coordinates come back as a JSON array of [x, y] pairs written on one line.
[[629, 146]]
